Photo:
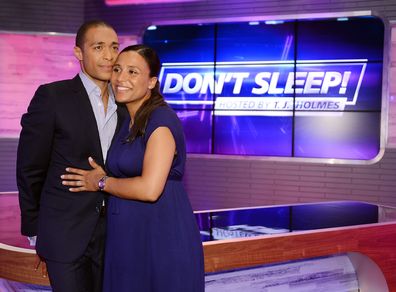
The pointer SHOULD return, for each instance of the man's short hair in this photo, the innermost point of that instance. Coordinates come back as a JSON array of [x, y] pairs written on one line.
[[80, 37]]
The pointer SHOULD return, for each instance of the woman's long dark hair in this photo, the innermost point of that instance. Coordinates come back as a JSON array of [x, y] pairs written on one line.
[[156, 99]]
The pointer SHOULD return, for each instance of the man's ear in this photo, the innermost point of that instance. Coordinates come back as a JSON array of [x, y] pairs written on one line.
[[152, 83], [78, 53]]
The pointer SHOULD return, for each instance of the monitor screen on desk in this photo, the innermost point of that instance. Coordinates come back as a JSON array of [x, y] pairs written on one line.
[[239, 223]]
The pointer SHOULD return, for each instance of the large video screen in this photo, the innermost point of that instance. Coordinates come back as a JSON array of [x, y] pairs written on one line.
[[297, 88]]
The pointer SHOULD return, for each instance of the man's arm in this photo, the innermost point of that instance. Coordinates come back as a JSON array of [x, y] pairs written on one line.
[[33, 156]]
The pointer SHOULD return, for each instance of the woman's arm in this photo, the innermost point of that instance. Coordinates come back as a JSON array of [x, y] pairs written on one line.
[[158, 158]]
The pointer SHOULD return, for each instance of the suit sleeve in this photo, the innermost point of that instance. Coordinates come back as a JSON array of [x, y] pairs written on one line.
[[33, 156]]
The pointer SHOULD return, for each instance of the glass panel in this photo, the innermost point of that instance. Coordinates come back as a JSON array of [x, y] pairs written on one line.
[[250, 222], [317, 216]]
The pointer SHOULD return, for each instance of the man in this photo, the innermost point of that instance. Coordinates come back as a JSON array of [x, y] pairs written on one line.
[[66, 122]]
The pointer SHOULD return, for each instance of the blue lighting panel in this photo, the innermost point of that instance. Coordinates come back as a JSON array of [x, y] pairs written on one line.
[[356, 38], [345, 135], [253, 135], [260, 42], [197, 126], [182, 43]]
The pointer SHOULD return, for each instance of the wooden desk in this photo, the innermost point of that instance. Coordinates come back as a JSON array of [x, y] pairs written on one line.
[[375, 241], [16, 256]]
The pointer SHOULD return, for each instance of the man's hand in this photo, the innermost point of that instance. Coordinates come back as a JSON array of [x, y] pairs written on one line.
[[40, 262]]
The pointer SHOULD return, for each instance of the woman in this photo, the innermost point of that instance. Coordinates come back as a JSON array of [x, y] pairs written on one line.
[[153, 243]]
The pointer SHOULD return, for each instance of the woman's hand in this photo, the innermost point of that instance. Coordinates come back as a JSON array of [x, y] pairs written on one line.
[[81, 180]]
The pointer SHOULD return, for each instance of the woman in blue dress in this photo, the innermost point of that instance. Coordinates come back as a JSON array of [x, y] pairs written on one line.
[[153, 243]]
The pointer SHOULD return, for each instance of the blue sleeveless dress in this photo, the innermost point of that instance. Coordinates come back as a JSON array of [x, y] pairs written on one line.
[[152, 247]]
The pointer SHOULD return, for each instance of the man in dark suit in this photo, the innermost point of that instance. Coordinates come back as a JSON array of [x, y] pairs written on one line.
[[66, 122]]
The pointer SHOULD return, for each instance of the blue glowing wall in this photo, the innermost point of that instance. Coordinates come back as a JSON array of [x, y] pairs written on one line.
[[301, 88]]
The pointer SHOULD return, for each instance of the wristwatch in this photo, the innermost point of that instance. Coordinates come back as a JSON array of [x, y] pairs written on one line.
[[102, 183]]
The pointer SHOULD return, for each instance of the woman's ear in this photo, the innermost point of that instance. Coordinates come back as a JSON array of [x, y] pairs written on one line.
[[153, 82], [78, 53]]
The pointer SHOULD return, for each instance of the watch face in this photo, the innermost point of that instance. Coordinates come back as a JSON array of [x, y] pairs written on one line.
[[102, 183]]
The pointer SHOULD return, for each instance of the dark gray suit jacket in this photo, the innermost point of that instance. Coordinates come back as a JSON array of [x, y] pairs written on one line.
[[58, 130]]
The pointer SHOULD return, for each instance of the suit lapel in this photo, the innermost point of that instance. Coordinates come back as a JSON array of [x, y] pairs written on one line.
[[87, 115]]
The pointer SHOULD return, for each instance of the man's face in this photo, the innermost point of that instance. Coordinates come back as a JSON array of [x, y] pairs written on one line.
[[98, 54]]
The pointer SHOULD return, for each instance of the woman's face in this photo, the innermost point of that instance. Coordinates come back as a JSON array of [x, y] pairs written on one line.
[[131, 79]]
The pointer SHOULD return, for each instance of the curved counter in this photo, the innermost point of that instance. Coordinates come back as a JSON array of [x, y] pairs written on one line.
[[235, 239]]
